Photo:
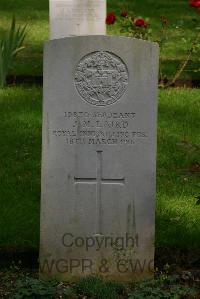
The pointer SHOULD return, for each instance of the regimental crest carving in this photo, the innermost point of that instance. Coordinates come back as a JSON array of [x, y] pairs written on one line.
[[101, 78]]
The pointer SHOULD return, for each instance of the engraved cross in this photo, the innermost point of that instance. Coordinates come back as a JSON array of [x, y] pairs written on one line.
[[99, 181]]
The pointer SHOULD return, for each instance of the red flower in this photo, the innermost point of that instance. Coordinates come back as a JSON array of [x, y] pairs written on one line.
[[195, 3], [110, 19], [124, 14], [140, 23]]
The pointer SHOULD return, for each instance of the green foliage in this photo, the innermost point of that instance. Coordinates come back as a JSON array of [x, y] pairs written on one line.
[[16, 283], [10, 45], [165, 287], [128, 28], [32, 288], [96, 288]]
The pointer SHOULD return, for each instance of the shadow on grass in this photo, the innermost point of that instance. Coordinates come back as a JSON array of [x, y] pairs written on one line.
[[20, 131], [177, 217]]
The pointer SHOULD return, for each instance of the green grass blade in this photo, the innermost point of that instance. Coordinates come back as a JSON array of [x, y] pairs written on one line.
[[11, 45]]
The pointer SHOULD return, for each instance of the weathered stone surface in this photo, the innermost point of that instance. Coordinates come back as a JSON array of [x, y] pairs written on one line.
[[77, 17], [99, 158]]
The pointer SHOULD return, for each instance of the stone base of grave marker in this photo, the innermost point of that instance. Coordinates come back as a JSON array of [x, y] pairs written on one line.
[[99, 158]]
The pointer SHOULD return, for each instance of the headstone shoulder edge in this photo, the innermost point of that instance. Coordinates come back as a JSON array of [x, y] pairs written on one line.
[[104, 37]]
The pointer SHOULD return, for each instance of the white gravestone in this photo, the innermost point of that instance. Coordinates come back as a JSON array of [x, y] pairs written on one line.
[[99, 158], [77, 17]]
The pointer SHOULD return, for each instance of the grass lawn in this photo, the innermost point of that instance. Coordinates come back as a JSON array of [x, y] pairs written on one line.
[[20, 135], [182, 19], [177, 217]]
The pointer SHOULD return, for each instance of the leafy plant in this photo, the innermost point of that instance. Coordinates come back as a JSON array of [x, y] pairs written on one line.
[[10, 45], [135, 27], [28, 287], [140, 28], [130, 25], [164, 286], [96, 288]]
